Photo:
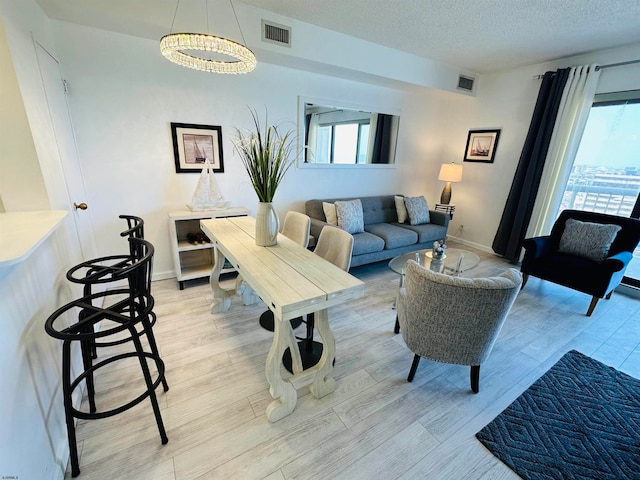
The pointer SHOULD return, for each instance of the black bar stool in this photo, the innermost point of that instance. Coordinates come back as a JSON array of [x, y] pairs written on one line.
[[128, 310], [102, 270]]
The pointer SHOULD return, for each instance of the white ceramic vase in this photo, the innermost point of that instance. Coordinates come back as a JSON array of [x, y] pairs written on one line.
[[267, 225]]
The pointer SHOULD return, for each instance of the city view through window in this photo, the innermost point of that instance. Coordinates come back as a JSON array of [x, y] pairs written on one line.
[[606, 173]]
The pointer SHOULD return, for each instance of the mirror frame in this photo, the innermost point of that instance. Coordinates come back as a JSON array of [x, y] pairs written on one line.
[[300, 163]]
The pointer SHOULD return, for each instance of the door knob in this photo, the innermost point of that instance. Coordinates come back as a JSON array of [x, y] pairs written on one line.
[[81, 206]]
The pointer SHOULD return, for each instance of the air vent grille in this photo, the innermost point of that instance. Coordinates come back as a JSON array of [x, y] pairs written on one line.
[[274, 33], [465, 83]]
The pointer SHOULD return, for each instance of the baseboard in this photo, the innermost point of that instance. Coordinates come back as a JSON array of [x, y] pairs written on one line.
[[628, 290], [163, 275], [478, 246]]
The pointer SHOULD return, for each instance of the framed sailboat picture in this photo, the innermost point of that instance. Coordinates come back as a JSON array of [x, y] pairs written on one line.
[[481, 145], [194, 144]]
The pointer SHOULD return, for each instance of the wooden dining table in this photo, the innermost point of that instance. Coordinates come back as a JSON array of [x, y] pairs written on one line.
[[292, 281]]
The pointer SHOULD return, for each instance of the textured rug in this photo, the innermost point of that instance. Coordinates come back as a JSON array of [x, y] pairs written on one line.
[[580, 420]]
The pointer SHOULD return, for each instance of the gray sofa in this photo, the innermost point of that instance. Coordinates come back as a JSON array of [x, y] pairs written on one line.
[[383, 238]]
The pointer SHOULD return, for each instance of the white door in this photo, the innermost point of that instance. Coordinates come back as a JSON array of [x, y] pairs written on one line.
[[54, 89]]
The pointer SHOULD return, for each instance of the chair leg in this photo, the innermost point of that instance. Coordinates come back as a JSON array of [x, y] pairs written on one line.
[[414, 367], [592, 305], [475, 378], [146, 324], [149, 382], [608, 297], [525, 277], [68, 408]]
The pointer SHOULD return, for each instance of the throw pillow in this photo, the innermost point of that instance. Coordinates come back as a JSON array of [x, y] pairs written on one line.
[[417, 209], [330, 213], [401, 210], [350, 216], [586, 239]]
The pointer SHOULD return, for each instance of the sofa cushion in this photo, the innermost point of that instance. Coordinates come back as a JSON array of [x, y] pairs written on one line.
[[330, 213], [417, 209], [350, 216], [401, 209], [427, 232], [366, 243], [393, 236], [588, 240]]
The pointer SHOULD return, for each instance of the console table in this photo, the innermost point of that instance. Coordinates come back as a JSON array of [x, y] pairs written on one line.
[[292, 281]]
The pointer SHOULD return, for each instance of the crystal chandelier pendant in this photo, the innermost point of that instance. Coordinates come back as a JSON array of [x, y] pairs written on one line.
[[174, 47], [182, 48]]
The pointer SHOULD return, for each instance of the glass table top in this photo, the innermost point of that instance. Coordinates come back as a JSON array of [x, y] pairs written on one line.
[[455, 262]]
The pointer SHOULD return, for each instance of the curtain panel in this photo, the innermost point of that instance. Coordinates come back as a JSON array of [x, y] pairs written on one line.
[[573, 113], [522, 195]]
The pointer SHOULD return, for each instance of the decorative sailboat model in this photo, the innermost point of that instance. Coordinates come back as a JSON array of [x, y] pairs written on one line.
[[205, 197]]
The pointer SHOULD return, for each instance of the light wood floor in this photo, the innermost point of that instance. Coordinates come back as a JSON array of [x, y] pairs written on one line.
[[374, 426]]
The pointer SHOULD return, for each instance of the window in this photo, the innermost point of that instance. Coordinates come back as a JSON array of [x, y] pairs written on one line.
[[342, 143], [606, 172]]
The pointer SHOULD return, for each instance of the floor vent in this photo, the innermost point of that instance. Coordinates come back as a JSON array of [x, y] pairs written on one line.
[[274, 33], [465, 83]]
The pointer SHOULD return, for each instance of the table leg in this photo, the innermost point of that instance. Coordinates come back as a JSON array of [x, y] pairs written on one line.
[[284, 393], [243, 289], [322, 383], [221, 298]]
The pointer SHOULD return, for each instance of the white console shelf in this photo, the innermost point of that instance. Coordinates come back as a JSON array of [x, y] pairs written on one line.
[[195, 260]]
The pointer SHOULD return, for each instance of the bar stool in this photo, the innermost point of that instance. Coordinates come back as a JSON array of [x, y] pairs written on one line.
[[100, 270], [108, 269], [128, 310]]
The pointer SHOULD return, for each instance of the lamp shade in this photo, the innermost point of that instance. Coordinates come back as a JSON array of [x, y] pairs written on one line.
[[450, 172]]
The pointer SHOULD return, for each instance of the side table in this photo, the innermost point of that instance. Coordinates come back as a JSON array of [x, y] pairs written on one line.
[[446, 208]]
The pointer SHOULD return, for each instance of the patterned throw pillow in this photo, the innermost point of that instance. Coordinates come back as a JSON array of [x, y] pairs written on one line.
[[586, 239], [401, 210], [350, 217], [330, 213], [417, 210]]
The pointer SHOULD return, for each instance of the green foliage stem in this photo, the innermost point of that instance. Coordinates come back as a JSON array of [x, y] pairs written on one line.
[[266, 156]]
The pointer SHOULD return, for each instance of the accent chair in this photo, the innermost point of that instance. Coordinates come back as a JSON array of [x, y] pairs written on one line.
[[586, 251], [454, 319]]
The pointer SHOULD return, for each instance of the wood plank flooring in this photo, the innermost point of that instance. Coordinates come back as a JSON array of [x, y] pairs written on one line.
[[374, 426]]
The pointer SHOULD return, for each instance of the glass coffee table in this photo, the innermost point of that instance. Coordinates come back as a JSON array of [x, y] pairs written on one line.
[[455, 262]]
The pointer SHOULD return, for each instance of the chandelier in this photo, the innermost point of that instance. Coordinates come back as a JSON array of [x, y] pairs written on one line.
[[179, 48]]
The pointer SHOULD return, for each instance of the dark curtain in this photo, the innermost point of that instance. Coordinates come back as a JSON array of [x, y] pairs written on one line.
[[519, 206], [307, 122], [382, 141]]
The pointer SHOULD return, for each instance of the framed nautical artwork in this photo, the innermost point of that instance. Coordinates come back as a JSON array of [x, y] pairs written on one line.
[[194, 144], [481, 146]]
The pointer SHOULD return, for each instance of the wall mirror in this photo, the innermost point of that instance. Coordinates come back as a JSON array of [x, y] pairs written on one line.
[[340, 135]]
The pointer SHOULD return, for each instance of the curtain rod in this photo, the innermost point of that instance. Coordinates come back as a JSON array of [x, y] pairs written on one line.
[[600, 67], [620, 64]]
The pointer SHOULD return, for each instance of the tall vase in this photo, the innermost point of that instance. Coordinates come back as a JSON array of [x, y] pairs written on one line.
[[267, 225]]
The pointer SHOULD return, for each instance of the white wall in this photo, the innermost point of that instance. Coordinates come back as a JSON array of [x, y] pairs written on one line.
[[18, 159], [33, 440], [123, 99], [33, 437], [506, 100]]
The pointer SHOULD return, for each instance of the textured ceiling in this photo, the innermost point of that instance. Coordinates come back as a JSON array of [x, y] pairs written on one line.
[[479, 35]]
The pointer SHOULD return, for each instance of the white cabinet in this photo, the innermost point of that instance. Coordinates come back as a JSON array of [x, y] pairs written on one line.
[[193, 254]]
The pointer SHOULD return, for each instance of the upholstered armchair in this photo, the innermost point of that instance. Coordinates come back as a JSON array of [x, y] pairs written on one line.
[[586, 251], [454, 319]]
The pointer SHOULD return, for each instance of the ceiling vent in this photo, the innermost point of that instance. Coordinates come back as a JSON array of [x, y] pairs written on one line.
[[275, 33], [465, 83]]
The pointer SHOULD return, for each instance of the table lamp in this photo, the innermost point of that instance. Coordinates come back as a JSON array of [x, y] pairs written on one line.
[[449, 172]]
